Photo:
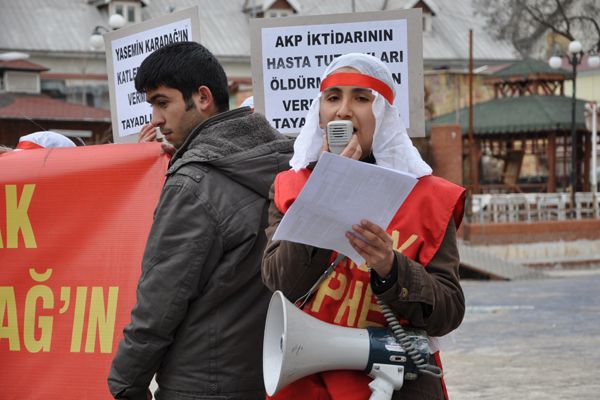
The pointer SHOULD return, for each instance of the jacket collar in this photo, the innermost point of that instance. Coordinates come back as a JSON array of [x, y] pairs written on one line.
[[215, 119]]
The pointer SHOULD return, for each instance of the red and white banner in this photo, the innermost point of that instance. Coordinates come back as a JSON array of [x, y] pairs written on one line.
[[73, 226]]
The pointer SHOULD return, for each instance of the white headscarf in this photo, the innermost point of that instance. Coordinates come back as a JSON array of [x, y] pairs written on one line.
[[44, 139], [392, 148]]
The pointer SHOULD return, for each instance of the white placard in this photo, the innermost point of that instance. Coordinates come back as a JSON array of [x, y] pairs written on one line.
[[295, 59], [128, 53], [291, 57], [127, 48]]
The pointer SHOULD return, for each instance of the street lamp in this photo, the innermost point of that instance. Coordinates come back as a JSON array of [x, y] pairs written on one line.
[[96, 42], [115, 21], [574, 57]]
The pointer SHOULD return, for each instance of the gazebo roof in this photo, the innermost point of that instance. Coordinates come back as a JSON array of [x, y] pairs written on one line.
[[530, 69], [517, 115]]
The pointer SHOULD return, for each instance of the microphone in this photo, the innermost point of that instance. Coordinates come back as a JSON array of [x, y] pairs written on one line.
[[338, 135]]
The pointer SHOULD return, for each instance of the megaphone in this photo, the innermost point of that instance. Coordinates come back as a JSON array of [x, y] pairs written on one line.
[[297, 345]]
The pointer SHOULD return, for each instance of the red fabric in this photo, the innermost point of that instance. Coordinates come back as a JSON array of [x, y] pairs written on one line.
[[288, 185], [354, 79], [438, 362], [345, 298], [312, 386], [72, 234], [28, 146]]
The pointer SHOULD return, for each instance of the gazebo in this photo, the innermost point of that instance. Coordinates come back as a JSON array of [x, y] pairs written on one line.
[[523, 136]]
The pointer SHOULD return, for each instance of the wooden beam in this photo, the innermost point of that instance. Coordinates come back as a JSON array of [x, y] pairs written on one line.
[[587, 157], [551, 157]]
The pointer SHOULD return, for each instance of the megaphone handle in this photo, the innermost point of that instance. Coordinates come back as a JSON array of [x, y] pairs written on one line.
[[387, 378]]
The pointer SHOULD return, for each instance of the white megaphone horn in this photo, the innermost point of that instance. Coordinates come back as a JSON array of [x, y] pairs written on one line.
[[297, 345]]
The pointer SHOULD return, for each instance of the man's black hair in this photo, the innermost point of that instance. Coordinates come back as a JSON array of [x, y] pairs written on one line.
[[184, 66]]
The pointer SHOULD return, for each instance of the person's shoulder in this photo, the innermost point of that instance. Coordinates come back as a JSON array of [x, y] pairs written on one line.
[[287, 186], [188, 176], [435, 193], [436, 182], [438, 190], [292, 180]]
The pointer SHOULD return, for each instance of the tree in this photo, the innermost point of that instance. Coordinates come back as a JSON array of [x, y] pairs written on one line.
[[525, 22]]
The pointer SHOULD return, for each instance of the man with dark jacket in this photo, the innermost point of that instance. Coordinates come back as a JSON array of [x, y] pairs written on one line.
[[201, 305]]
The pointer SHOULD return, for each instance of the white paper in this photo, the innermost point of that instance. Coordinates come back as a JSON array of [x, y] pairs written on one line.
[[340, 193]]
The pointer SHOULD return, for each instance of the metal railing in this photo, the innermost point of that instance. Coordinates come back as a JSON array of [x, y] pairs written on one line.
[[529, 207]]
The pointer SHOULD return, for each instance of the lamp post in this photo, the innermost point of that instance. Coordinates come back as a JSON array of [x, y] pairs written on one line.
[[96, 42], [115, 21], [574, 57]]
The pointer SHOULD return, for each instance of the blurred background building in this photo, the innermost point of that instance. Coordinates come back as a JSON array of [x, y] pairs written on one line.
[[56, 37]]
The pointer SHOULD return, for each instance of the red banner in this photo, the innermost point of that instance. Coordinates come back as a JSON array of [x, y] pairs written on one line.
[[73, 226]]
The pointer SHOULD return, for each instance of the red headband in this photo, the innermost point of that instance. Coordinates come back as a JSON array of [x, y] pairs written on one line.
[[355, 79], [25, 145]]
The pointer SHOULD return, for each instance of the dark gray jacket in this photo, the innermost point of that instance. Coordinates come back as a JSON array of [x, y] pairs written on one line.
[[201, 305]]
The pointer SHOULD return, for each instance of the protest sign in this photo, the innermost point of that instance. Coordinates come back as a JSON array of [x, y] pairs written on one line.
[[290, 54], [73, 227], [126, 48]]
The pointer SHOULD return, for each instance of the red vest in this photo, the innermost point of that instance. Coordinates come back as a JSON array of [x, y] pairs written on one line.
[[345, 298]]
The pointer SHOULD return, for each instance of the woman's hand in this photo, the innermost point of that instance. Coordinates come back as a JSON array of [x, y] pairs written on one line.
[[374, 244], [352, 149]]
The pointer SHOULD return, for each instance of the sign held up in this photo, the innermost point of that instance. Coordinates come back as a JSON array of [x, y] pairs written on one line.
[[126, 49], [289, 56]]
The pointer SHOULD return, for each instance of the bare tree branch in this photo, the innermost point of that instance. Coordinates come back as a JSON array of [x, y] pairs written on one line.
[[560, 9], [596, 25], [526, 22], [543, 22]]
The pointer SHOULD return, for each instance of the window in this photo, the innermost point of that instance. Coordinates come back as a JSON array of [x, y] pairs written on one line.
[[131, 14], [128, 10], [427, 22], [276, 13]]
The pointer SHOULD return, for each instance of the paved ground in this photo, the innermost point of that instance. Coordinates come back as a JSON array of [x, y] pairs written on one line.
[[532, 339]]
